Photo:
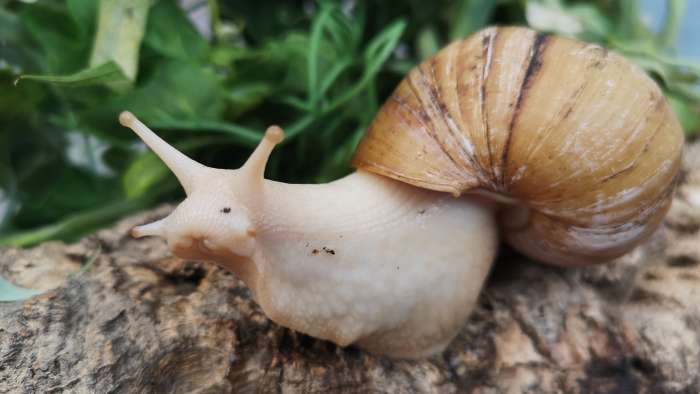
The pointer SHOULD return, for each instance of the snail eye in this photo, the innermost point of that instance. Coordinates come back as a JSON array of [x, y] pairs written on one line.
[[225, 210]]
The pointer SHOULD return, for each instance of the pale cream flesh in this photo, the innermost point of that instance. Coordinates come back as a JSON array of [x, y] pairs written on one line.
[[363, 260]]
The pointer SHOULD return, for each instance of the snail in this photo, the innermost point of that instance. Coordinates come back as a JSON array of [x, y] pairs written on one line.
[[570, 149]]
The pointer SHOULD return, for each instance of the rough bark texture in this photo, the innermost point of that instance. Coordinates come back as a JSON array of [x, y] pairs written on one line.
[[135, 320]]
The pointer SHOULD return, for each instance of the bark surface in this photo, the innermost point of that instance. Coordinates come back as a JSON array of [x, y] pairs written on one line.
[[123, 316]]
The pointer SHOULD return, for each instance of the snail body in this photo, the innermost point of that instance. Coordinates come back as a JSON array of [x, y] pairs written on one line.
[[365, 259], [343, 261], [578, 148]]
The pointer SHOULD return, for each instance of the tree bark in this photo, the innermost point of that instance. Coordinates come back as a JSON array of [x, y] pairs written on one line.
[[123, 316]]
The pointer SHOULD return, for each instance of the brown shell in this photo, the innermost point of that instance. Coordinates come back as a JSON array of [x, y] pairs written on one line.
[[577, 134]]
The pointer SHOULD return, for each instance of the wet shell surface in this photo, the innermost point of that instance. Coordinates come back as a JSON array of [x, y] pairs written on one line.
[[580, 142]]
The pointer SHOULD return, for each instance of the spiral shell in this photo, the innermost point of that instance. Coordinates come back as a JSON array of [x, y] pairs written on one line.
[[581, 143]]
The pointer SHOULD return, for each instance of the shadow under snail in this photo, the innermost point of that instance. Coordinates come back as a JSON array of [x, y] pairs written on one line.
[[570, 148]]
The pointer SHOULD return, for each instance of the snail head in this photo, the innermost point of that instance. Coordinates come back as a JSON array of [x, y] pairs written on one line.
[[214, 222]]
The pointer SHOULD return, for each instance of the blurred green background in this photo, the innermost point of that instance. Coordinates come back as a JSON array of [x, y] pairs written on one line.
[[209, 76]]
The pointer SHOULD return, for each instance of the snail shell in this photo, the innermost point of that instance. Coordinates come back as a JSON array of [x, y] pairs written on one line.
[[580, 143]]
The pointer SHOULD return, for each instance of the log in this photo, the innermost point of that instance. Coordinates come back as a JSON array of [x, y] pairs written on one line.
[[123, 316]]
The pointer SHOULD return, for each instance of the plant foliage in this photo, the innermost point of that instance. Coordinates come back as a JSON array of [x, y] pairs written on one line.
[[318, 69]]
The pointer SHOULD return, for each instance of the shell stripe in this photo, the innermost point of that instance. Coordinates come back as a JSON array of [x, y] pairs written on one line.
[[539, 45], [487, 51], [455, 129], [461, 92], [431, 103], [426, 127]]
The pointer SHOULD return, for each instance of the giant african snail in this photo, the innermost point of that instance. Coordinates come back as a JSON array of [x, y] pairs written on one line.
[[577, 145]]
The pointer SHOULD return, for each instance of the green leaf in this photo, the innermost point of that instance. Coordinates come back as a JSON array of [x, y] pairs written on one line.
[[332, 48], [59, 189], [317, 29], [170, 33], [9, 26], [17, 102], [652, 66], [688, 113], [333, 74], [120, 28], [144, 172], [245, 96], [78, 224], [176, 91], [375, 55], [242, 135], [108, 72], [147, 170], [428, 43], [337, 164], [15, 53], [629, 22], [84, 13], [11, 292], [381, 46], [63, 46], [286, 61], [470, 16], [320, 71], [674, 17], [597, 27]]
